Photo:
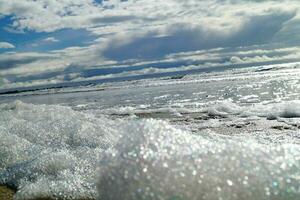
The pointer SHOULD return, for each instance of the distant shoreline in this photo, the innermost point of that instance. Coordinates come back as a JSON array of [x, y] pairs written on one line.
[[170, 75]]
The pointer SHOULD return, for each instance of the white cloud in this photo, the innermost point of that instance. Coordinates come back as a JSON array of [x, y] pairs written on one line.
[[134, 32], [51, 39], [219, 15], [6, 45]]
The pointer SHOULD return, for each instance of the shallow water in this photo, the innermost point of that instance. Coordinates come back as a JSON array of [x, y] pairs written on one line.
[[216, 136]]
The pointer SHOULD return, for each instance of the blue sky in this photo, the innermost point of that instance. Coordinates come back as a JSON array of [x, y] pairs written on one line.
[[46, 42]]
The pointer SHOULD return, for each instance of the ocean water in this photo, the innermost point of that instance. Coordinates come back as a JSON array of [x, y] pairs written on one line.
[[218, 136]]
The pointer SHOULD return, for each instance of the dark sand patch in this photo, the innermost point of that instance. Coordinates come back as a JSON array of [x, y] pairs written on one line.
[[6, 193]]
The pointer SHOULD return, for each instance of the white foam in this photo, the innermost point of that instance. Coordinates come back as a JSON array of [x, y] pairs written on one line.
[[226, 108], [162, 162], [288, 109], [51, 151], [54, 151]]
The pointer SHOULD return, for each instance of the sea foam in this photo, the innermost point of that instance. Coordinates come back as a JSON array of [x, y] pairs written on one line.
[[162, 162], [54, 151], [51, 151]]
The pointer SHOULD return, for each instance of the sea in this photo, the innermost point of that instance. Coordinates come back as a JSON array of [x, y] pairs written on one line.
[[224, 135]]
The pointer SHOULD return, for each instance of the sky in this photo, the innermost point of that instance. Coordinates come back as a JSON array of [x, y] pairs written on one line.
[[50, 42]]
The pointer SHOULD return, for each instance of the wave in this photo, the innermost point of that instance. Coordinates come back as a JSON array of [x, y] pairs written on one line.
[[52, 151], [225, 109]]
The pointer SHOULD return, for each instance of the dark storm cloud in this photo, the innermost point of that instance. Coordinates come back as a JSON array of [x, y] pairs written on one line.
[[182, 37], [10, 61], [112, 19]]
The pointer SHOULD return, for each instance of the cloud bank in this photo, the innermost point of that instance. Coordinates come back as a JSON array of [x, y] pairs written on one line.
[[144, 37]]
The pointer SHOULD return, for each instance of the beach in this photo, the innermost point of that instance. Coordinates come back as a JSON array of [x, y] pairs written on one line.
[[230, 135]]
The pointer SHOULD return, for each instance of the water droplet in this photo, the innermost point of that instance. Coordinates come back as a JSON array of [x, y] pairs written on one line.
[[229, 182], [194, 172]]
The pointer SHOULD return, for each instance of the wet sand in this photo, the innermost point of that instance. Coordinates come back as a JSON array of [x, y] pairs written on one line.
[[6, 193]]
